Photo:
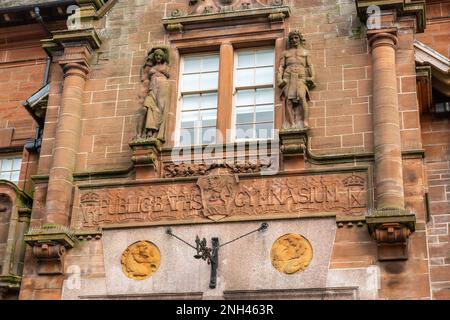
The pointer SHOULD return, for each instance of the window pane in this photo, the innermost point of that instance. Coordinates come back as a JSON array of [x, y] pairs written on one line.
[[209, 100], [264, 130], [210, 63], [190, 82], [264, 58], [192, 64], [186, 137], [209, 81], [264, 75], [189, 119], [15, 176], [245, 98], [244, 115], [264, 113], [209, 135], [6, 164], [264, 96], [246, 59], [244, 131], [191, 102], [5, 175], [244, 77], [208, 118], [16, 164]]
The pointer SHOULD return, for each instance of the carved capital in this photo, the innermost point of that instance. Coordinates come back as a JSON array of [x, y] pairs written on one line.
[[49, 245], [73, 46], [382, 37], [391, 229]]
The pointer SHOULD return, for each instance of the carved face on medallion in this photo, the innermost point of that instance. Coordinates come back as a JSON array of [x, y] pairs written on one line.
[[141, 260], [291, 253]]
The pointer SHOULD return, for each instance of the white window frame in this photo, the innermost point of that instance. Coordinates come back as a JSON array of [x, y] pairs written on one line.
[[235, 89], [11, 157], [177, 140]]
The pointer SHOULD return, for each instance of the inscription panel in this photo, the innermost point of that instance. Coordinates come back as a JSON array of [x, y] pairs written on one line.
[[223, 197]]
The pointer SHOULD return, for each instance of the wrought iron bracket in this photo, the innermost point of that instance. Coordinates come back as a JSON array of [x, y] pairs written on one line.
[[211, 254]]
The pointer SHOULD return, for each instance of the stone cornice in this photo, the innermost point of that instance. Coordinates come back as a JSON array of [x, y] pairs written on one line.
[[401, 7], [440, 66], [62, 39], [198, 21]]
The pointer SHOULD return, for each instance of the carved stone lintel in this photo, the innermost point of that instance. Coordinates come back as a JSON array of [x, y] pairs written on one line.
[[49, 247], [293, 142], [391, 229]]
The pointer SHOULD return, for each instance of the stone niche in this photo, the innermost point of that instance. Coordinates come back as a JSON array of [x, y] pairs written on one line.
[[15, 211]]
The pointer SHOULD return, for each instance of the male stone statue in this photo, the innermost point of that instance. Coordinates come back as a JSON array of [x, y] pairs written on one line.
[[295, 79]]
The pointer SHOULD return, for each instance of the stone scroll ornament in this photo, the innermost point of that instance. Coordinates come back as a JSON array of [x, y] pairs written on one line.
[[154, 97], [295, 79]]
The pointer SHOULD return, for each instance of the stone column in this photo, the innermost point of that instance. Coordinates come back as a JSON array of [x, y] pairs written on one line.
[[59, 193], [387, 142], [389, 223], [73, 50]]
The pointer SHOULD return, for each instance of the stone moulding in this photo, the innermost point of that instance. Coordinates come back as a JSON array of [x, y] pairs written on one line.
[[293, 141], [391, 229], [402, 8], [49, 244], [61, 38], [179, 23]]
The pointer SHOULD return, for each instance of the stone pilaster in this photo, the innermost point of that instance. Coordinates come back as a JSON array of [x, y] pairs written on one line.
[[386, 123], [384, 222], [74, 50]]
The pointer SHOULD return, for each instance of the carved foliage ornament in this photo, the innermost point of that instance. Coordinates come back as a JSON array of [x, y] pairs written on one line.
[[214, 6], [291, 253], [141, 260]]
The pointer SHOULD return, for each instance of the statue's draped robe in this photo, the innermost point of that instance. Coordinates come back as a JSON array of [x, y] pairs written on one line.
[[157, 100]]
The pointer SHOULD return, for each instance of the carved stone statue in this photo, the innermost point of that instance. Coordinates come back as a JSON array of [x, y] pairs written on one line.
[[155, 96], [295, 79]]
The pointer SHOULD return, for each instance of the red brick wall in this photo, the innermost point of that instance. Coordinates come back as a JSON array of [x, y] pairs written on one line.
[[22, 68], [436, 140], [437, 33]]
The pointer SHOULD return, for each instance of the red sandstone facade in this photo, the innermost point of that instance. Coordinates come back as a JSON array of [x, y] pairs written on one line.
[[378, 118]]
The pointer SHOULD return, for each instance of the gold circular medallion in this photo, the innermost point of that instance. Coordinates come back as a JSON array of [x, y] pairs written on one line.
[[140, 260], [291, 253]]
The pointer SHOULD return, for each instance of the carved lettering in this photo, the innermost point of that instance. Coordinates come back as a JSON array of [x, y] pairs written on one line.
[[222, 196]]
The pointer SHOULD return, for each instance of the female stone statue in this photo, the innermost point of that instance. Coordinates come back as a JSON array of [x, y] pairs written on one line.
[[155, 96]]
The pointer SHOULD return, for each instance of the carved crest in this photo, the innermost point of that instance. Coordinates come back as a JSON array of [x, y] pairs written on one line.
[[217, 192]]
